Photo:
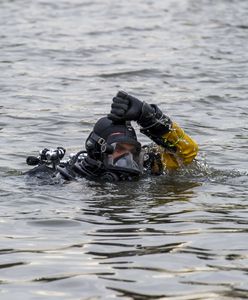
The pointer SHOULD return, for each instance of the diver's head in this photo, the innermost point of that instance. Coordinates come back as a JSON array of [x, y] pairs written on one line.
[[117, 147]]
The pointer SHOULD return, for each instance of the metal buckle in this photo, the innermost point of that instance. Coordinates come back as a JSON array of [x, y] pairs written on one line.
[[103, 147], [101, 141]]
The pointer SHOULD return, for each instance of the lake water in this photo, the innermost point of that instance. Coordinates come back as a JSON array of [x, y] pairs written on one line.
[[169, 237]]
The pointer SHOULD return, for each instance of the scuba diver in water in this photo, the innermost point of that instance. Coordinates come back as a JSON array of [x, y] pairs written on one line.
[[113, 152]]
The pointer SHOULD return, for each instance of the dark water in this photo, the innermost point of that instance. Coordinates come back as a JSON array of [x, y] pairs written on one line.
[[178, 237]]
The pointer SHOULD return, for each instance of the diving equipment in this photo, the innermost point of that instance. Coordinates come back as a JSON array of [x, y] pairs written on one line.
[[102, 143]]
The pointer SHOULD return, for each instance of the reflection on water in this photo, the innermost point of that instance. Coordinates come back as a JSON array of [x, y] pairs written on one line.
[[158, 238], [179, 236]]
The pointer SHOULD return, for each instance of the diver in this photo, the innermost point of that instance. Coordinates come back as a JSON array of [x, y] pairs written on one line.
[[113, 153]]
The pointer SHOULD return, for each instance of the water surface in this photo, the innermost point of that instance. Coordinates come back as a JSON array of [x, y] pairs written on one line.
[[170, 237]]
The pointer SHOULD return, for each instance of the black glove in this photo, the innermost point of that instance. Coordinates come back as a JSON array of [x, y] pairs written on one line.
[[153, 122], [125, 108], [128, 108]]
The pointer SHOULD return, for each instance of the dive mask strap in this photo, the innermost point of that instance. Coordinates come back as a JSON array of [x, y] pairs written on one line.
[[105, 148]]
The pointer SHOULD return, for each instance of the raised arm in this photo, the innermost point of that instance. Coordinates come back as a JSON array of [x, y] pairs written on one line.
[[178, 148]]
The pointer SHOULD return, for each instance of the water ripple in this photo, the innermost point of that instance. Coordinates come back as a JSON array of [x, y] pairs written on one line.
[[181, 236]]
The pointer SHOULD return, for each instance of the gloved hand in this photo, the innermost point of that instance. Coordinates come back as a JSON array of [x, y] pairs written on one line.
[[125, 108], [153, 122]]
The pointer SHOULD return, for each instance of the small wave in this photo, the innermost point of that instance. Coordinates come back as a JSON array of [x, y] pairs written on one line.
[[3, 266], [200, 171], [139, 251], [142, 72], [242, 26], [54, 223], [71, 275]]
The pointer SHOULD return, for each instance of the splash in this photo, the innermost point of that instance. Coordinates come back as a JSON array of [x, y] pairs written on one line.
[[199, 170]]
